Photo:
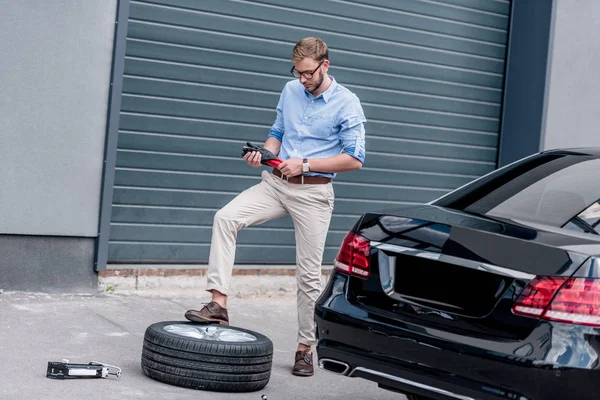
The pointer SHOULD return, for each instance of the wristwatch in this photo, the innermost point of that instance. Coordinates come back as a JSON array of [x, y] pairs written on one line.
[[305, 166]]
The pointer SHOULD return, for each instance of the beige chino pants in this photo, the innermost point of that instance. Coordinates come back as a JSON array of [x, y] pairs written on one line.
[[309, 205]]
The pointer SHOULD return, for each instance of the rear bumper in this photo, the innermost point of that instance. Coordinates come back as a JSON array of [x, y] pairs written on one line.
[[415, 359], [391, 377]]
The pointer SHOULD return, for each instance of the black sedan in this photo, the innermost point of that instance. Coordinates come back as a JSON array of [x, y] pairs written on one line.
[[489, 292]]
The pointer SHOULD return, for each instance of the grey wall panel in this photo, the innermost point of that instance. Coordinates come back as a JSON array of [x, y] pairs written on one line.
[[353, 11], [319, 15], [249, 97], [187, 127], [436, 166], [55, 77], [495, 6], [204, 65], [242, 20], [229, 147], [369, 8], [47, 264], [443, 9], [201, 78], [383, 161], [572, 118], [367, 61], [131, 195], [193, 234], [230, 164], [205, 181], [199, 217], [169, 252], [242, 113]]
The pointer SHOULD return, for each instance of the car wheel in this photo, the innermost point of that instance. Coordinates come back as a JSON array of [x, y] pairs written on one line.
[[207, 356]]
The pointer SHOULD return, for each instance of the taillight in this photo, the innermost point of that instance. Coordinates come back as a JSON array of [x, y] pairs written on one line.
[[536, 296], [353, 257], [572, 300]]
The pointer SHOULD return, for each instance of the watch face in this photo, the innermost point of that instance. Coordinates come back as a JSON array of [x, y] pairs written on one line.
[[304, 167]]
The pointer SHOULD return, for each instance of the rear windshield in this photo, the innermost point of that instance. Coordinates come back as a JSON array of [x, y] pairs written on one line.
[[556, 189]]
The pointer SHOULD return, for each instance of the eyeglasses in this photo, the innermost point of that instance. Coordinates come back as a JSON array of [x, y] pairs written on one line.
[[307, 75]]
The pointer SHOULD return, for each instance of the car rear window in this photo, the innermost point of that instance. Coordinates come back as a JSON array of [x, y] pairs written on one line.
[[556, 189]]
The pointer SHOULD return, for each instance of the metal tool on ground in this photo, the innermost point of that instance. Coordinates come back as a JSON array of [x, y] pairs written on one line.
[[65, 370]]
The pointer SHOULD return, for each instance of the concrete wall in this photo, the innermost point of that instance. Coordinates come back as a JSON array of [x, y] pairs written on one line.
[[47, 264], [572, 115], [55, 75]]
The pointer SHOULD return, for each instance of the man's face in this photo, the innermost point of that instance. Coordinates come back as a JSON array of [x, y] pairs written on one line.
[[305, 67]]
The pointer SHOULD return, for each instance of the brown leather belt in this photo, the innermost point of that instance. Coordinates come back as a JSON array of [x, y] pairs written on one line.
[[303, 180]]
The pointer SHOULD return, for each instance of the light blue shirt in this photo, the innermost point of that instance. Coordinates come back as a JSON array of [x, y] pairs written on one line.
[[319, 127]]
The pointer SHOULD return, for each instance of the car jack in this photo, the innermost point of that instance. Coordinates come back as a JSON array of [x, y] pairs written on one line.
[[94, 369]]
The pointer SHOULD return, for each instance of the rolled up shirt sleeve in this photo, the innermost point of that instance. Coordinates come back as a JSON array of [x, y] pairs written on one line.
[[278, 128], [352, 131]]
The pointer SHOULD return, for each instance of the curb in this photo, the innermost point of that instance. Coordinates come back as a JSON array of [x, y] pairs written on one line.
[[245, 281]]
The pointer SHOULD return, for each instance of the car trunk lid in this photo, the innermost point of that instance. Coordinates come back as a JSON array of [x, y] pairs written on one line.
[[461, 272], [442, 282]]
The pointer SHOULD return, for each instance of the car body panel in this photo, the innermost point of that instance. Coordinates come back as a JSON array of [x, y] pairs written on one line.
[[555, 361], [435, 315]]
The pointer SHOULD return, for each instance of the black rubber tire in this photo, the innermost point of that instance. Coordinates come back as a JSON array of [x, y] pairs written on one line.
[[206, 364]]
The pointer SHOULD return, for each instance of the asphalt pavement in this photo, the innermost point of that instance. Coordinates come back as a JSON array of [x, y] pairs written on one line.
[[36, 328]]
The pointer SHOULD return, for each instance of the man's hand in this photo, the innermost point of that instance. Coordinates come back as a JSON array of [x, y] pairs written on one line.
[[253, 159], [291, 167]]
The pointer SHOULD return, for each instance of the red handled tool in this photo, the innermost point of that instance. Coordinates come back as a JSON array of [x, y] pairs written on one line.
[[267, 157]]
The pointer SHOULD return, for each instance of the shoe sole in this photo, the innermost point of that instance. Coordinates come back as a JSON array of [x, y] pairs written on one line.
[[197, 318], [302, 373]]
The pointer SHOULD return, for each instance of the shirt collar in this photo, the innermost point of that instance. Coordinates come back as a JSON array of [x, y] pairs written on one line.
[[326, 94]]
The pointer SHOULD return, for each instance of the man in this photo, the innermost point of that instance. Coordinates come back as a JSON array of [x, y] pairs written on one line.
[[318, 132]]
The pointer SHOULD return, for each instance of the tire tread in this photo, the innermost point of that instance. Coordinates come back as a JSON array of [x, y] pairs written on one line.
[[206, 365]]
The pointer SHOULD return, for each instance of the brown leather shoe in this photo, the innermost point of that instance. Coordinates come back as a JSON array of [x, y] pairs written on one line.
[[212, 312], [304, 364]]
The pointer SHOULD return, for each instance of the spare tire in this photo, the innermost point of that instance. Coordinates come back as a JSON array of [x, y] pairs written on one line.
[[207, 356]]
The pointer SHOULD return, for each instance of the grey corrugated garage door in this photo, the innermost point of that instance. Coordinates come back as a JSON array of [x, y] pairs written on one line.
[[202, 77]]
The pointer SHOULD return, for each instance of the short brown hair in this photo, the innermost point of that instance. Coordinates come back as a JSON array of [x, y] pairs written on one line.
[[310, 47]]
